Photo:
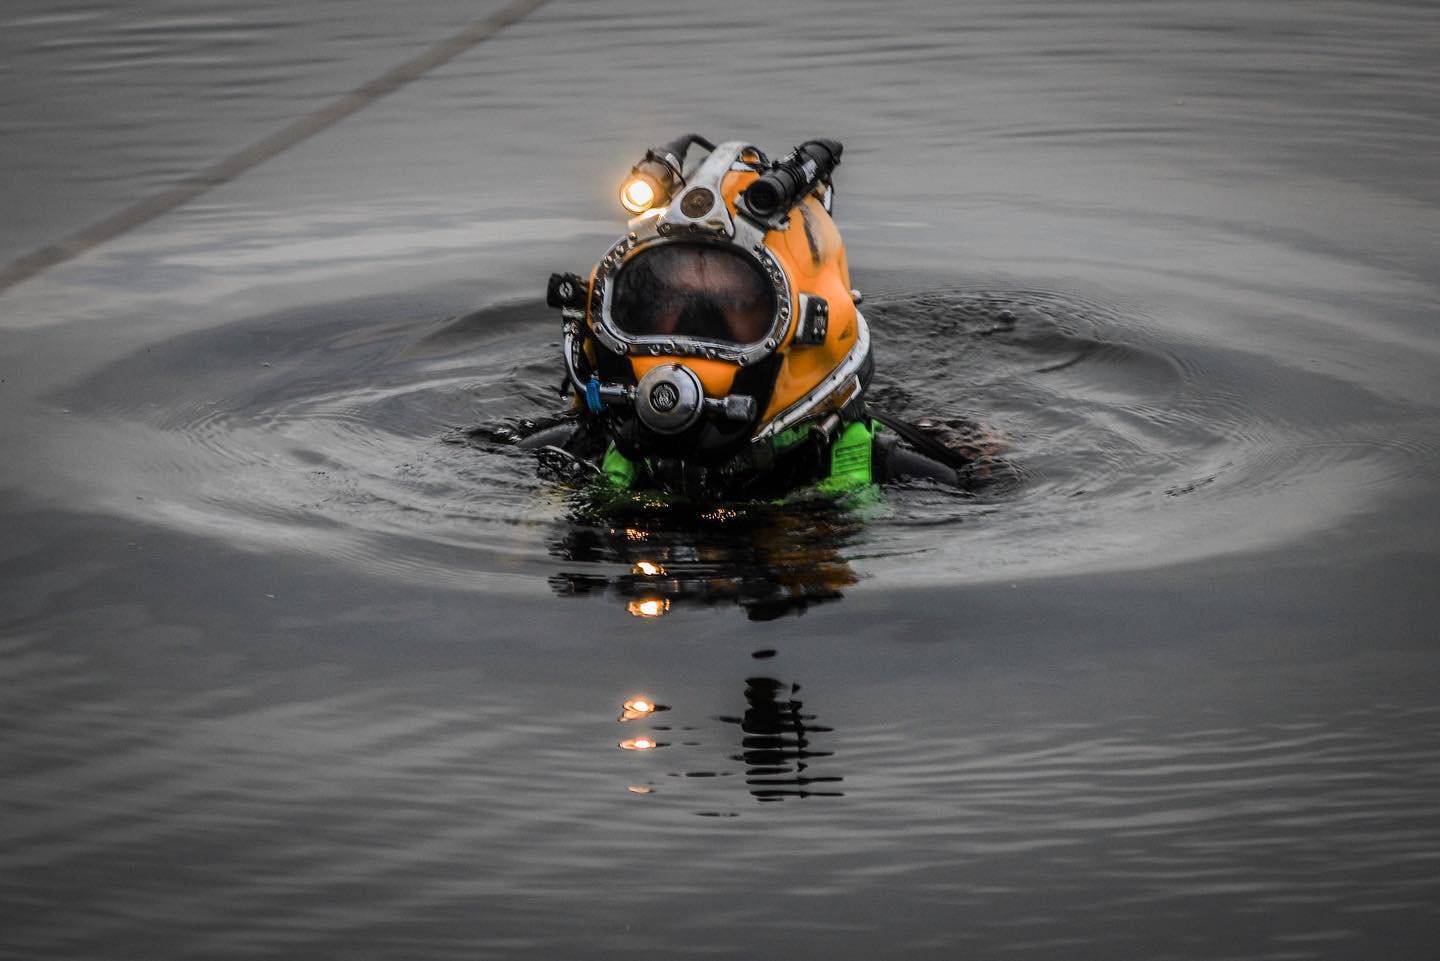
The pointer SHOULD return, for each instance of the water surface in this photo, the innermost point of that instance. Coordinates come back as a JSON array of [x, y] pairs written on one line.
[[289, 671]]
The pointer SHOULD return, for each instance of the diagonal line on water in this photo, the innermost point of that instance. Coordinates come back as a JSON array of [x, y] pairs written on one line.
[[297, 131]]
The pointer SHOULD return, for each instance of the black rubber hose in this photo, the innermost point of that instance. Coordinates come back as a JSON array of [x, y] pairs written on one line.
[[677, 149]]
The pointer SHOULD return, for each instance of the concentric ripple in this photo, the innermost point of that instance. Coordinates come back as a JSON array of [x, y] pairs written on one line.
[[1104, 444]]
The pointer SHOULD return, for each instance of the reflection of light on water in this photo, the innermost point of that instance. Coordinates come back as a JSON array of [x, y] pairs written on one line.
[[650, 607], [637, 707], [638, 744], [648, 568]]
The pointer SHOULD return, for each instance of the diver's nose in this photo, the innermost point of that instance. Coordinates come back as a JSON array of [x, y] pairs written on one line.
[[669, 398]]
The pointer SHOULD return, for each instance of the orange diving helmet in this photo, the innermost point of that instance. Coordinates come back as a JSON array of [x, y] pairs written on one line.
[[721, 328]]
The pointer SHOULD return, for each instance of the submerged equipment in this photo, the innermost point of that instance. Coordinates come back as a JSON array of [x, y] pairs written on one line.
[[721, 329]]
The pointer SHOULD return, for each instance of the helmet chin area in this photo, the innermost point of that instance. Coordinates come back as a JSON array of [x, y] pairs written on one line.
[[669, 399], [709, 443], [673, 419]]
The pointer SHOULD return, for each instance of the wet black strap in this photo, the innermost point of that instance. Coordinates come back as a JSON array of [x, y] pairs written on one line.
[[922, 441]]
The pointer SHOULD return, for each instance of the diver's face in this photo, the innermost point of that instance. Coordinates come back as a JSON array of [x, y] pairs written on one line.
[[710, 293]]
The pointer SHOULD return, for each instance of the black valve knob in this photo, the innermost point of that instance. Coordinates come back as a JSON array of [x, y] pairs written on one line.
[[566, 291]]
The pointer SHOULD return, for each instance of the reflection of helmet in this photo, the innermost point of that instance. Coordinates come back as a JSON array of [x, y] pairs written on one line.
[[722, 326]]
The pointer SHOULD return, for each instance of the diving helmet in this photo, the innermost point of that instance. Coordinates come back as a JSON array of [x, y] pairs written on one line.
[[721, 327]]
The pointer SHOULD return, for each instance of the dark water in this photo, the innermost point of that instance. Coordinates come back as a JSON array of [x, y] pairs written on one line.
[[288, 668]]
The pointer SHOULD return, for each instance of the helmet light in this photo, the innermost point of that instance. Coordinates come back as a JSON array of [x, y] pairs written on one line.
[[652, 182], [638, 195]]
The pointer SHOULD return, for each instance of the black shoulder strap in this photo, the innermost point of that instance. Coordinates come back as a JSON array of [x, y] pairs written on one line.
[[922, 441]]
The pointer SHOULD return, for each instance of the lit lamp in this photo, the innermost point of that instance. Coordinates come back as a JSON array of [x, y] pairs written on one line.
[[638, 195], [651, 183]]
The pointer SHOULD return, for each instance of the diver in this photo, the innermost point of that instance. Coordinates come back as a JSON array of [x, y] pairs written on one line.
[[717, 351]]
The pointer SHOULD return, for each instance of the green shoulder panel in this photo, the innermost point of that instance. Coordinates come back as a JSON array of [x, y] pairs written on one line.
[[852, 459], [618, 469]]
